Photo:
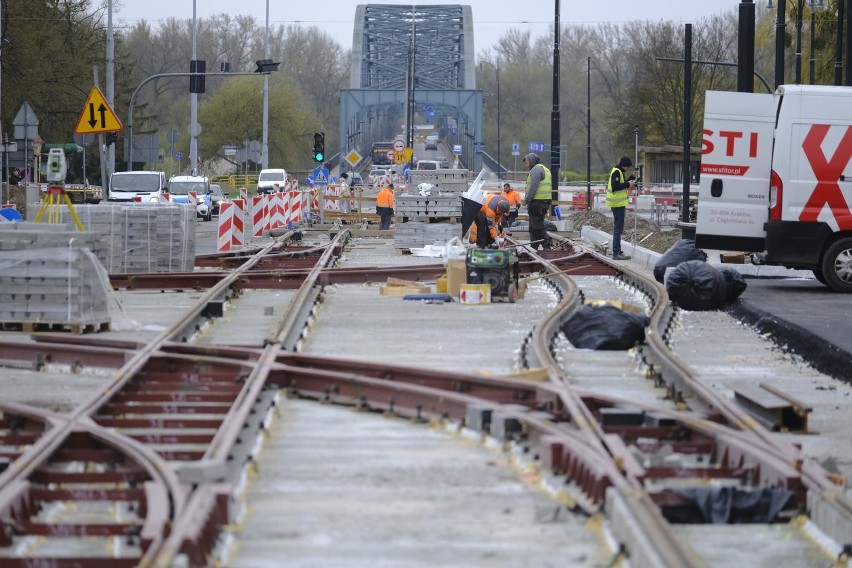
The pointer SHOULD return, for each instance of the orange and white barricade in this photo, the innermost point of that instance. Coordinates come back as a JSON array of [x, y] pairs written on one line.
[[238, 232], [192, 198], [295, 208], [244, 194], [259, 215], [226, 227], [315, 202], [276, 205]]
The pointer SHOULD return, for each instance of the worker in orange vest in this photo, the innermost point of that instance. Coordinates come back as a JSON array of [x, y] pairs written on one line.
[[489, 219], [514, 204], [384, 206]]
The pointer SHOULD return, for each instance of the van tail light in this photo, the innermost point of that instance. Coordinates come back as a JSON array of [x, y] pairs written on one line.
[[776, 197]]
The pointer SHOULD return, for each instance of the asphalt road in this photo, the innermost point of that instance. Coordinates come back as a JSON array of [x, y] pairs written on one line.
[[813, 321]]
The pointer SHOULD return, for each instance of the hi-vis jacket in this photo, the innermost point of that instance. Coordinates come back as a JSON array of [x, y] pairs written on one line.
[[543, 191], [616, 193], [385, 198], [492, 213]]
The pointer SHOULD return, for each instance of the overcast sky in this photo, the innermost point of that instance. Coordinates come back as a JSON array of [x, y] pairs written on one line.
[[491, 18]]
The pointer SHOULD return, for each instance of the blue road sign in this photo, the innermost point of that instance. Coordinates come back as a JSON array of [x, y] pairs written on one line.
[[516, 149], [179, 155], [536, 146], [405, 170], [309, 180], [320, 176]]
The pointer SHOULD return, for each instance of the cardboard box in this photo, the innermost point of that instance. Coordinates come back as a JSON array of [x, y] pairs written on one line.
[[456, 276]]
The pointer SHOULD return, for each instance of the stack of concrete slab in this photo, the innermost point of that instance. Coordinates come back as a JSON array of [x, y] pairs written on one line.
[[26, 236], [416, 234], [445, 181], [433, 206], [140, 237], [56, 289]]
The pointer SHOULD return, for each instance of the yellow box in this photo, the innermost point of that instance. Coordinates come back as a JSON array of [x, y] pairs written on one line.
[[441, 285], [475, 294]]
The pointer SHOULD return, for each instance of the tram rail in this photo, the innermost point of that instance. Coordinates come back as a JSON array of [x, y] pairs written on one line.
[[177, 419]]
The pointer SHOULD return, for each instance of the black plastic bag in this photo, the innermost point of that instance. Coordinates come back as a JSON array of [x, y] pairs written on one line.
[[696, 286], [605, 328], [734, 281], [681, 251]]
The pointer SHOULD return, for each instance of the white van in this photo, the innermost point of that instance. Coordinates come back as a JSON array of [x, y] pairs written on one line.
[[129, 187], [776, 179], [268, 179]]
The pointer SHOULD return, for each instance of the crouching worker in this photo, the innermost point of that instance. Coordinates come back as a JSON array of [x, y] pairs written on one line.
[[489, 219], [514, 199], [384, 206]]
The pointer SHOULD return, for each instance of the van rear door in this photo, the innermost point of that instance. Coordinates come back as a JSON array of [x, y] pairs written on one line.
[[736, 160]]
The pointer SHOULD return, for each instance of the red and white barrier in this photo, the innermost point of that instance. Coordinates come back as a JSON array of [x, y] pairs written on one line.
[[192, 198], [274, 213], [226, 226], [315, 193], [259, 215], [244, 194], [238, 233], [295, 208]]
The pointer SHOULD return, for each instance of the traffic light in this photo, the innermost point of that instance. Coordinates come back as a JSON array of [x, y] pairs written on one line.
[[196, 82], [266, 65], [319, 146], [111, 138]]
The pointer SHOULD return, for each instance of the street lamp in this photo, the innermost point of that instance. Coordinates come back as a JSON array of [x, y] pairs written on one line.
[[813, 4], [799, 8], [264, 152], [496, 68]]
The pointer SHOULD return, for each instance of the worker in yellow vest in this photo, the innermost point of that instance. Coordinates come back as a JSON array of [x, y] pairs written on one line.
[[537, 199], [616, 200]]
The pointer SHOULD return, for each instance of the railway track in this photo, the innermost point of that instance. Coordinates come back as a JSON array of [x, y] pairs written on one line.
[[147, 467]]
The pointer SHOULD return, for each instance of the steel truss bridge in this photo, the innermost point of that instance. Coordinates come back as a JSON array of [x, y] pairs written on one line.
[[412, 64]]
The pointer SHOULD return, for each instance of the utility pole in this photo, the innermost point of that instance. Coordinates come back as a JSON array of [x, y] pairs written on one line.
[[554, 114], [110, 84]]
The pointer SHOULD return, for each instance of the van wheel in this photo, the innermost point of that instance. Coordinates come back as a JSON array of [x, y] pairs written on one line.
[[837, 266]]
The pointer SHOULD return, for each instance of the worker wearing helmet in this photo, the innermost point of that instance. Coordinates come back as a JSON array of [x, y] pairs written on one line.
[[489, 218], [514, 199]]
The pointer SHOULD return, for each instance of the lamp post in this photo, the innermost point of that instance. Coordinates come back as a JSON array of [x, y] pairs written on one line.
[[799, 8], [496, 68], [780, 24], [813, 4], [194, 130], [264, 151]]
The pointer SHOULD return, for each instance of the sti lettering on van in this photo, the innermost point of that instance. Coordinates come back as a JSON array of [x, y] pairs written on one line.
[[828, 173], [730, 140]]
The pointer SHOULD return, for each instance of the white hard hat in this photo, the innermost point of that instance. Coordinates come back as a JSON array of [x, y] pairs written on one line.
[[425, 189]]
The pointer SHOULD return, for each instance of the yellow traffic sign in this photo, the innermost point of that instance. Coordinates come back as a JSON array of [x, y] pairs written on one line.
[[402, 157], [97, 116]]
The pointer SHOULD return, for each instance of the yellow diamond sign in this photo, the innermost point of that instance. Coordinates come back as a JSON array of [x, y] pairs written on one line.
[[97, 116], [353, 157]]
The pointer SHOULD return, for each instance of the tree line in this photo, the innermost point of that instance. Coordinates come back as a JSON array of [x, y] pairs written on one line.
[[52, 48]]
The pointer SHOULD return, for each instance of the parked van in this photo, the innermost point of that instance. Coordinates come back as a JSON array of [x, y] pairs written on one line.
[[147, 187], [268, 179], [776, 179], [428, 164]]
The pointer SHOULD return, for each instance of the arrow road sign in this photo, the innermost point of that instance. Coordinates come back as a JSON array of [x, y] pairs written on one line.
[[97, 116]]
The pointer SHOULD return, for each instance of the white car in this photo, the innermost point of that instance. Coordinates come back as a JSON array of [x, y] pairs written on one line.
[[377, 174]]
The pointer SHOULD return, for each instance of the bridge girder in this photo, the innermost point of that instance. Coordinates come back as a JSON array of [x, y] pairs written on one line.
[[390, 41]]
